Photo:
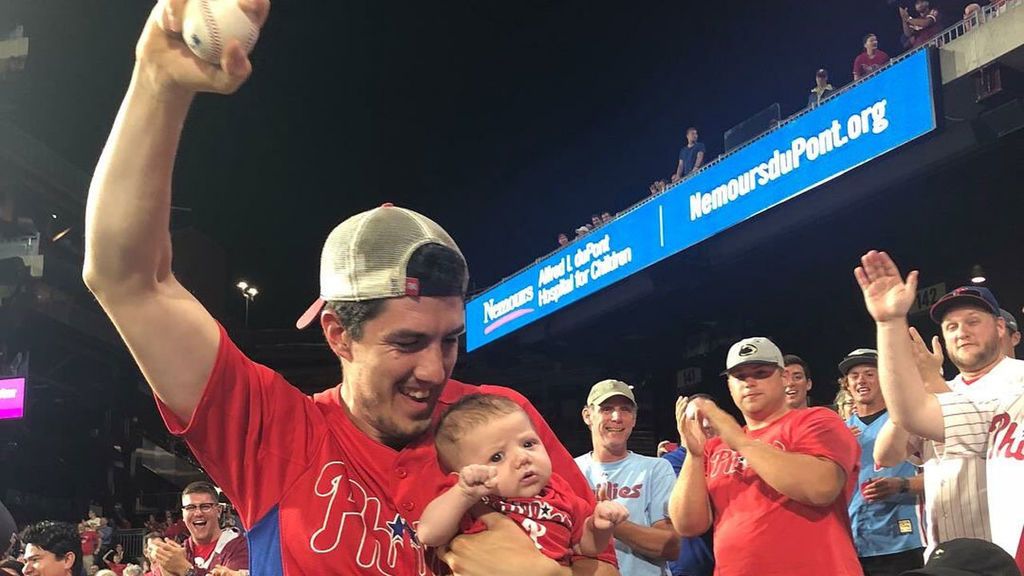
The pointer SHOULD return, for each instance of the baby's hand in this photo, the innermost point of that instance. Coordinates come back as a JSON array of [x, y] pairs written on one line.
[[608, 514], [478, 480]]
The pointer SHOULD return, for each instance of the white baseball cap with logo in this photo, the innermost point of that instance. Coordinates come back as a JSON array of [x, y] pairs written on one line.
[[756, 350], [366, 256]]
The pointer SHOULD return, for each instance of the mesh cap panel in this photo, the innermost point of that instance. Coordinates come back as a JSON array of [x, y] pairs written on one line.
[[366, 256]]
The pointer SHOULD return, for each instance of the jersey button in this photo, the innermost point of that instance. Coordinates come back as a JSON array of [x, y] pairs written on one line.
[[401, 473], [407, 506]]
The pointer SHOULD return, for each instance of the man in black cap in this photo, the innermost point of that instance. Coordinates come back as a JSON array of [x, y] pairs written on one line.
[[882, 511]]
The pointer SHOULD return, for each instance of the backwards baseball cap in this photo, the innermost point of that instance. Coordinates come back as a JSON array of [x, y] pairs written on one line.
[[967, 557], [858, 357], [965, 296], [1011, 322], [366, 257], [605, 389], [756, 350]]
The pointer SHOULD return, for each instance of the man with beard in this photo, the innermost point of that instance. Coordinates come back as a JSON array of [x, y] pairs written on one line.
[[1012, 337], [798, 381], [973, 329], [882, 514], [960, 425], [208, 549]]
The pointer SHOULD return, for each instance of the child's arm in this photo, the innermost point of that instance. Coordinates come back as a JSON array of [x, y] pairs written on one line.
[[440, 521], [597, 531]]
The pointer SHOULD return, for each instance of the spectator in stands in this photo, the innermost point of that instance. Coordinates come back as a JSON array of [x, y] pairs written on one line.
[[105, 572], [582, 231], [106, 532], [132, 570], [176, 529], [606, 217], [208, 546], [691, 156], [922, 28], [90, 544], [882, 512], [1012, 336], [115, 559], [657, 187], [52, 549], [11, 568], [844, 402], [562, 239], [822, 89], [870, 59], [776, 491], [969, 318], [797, 375], [695, 558], [971, 14], [154, 525], [645, 542], [149, 543], [595, 222]]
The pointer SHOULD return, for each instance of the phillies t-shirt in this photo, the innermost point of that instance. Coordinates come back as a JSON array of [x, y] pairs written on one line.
[[757, 530], [554, 519], [643, 485], [864, 64], [90, 542], [993, 429], [316, 494]]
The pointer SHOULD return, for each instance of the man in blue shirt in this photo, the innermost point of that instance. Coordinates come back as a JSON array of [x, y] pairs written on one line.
[[695, 556], [645, 542], [691, 156], [882, 510]]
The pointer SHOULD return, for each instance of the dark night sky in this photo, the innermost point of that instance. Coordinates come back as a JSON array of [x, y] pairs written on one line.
[[506, 122]]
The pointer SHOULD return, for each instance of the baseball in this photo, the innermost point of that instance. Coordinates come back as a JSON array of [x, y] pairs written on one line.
[[208, 25]]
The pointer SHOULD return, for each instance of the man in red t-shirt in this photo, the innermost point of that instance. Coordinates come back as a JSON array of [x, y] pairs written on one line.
[[209, 549], [870, 59], [90, 544], [329, 484], [775, 491]]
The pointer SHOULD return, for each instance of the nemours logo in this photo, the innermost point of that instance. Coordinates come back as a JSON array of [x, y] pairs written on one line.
[[507, 309]]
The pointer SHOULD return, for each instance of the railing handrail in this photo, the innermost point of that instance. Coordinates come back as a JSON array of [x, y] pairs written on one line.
[[951, 33]]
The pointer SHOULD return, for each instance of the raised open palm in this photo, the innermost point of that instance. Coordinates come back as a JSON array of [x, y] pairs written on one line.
[[886, 294]]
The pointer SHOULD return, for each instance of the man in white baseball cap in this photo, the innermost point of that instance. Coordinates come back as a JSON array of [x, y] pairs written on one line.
[[786, 477], [329, 484]]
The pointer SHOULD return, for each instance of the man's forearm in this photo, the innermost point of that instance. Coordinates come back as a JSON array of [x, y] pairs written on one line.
[[653, 542], [689, 507], [920, 22], [891, 445], [128, 210], [806, 479], [910, 406]]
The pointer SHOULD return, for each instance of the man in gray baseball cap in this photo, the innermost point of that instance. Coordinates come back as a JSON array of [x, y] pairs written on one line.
[[1012, 336], [786, 476]]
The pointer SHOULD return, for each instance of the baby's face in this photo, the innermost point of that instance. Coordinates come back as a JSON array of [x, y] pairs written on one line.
[[510, 444]]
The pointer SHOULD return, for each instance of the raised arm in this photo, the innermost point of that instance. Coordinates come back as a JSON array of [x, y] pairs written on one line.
[[440, 520], [888, 299], [892, 445], [128, 246]]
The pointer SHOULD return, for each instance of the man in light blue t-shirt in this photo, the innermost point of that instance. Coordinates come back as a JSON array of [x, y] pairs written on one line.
[[645, 542], [883, 508]]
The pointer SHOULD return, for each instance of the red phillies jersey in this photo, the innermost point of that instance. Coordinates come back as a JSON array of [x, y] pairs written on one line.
[[316, 494], [553, 519], [756, 526]]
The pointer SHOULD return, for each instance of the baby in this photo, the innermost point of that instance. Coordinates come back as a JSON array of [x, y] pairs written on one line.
[[503, 466]]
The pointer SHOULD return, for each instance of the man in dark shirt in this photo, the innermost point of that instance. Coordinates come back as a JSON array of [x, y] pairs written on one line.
[[691, 156], [923, 28]]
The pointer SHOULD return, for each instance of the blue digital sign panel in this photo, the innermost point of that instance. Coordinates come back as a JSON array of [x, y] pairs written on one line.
[[880, 114]]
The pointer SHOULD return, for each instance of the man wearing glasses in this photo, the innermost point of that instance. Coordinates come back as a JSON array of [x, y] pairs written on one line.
[[776, 490], [209, 549]]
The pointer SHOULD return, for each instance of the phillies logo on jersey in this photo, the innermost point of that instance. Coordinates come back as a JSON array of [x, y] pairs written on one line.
[[358, 523], [726, 461], [1007, 442], [614, 490], [533, 509]]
